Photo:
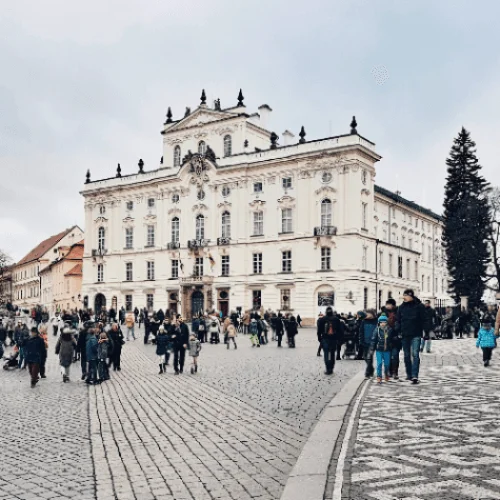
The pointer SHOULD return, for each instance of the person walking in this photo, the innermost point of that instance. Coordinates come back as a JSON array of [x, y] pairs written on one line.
[[430, 318], [92, 357], [136, 314], [253, 330], [410, 324], [116, 336], [194, 351], [486, 339], [214, 329], [161, 349], [34, 349], [64, 349], [43, 334], [366, 329], [231, 335], [21, 336], [382, 345], [103, 350], [278, 329], [130, 324], [291, 331], [329, 329], [180, 341], [299, 320], [390, 311]]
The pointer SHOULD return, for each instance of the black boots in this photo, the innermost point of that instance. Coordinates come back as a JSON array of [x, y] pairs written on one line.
[[161, 369]]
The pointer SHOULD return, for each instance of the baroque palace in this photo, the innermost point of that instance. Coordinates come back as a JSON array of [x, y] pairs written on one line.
[[232, 218]]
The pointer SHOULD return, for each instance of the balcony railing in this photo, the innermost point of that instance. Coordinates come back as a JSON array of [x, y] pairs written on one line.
[[223, 241], [193, 244], [173, 245], [192, 279], [325, 231]]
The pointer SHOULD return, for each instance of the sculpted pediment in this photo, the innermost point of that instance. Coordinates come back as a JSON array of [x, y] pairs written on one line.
[[200, 117], [326, 190], [101, 219]]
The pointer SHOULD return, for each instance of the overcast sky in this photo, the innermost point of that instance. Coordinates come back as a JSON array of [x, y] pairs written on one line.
[[87, 84]]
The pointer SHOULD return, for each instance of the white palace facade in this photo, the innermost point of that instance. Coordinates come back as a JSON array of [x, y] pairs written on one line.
[[232, 218]]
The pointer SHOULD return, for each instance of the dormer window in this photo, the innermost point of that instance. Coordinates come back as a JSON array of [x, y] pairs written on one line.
[[177, 156], [227, 145], [202, 147]]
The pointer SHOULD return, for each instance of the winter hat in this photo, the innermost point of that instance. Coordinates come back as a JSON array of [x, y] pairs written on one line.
[[382, 318], [409, 292], [487, 320], [361, 314], [391, 301]]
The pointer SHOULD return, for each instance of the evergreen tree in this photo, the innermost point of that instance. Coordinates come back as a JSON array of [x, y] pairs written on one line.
[[466, 221]]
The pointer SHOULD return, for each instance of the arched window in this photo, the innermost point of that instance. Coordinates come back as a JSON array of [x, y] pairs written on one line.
[[177, 156], [227, 145], [202, 147], [175, 230], [326, 212], [101, 238], [226, 225], [200, 227]]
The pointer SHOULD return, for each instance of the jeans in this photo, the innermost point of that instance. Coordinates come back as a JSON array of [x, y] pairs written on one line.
[[425, 343], [103, 370], [411, 349], [487, 351], [395, 360], [130, 330], [329, 351], [383, 358], [92, 371]]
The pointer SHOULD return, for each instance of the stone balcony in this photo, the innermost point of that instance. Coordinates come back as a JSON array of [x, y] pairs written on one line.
[[325, 231], [194, 244], [173, 245], [223, 241]]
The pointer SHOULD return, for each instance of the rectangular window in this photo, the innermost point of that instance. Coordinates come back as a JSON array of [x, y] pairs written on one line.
[[257, 187], [408, 269], [429, 254], [256, 299], [365, 298], [258, 223], [286, 220], [286, 182], [150, 236], [390, 265], [198, 266], [286, 261], [285, 299], [380, 262], [416, 270], [150, 270], [326, 259], [129, 237], [225, 265], [400, 267], [364, 259], [100, 273], [416, 222], [423, 251], [175, 268], [364, 215], [151, 202], [128, 272], [128, 302], [150, 301], [130, 205], [257, 263]]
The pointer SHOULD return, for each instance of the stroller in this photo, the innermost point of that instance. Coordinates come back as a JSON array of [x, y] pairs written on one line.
[[350, 340], [12, 360]]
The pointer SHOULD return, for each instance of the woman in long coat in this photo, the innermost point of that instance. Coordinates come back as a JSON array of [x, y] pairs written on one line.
[[65, 347]]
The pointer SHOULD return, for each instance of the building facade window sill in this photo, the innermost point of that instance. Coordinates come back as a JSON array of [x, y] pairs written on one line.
[[285, 272], [149, 246], [286, 232], [256, 236], [174, 278], [324, 270]]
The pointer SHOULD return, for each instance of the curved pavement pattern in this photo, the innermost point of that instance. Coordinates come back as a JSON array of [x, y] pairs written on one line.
[[439, 439], [233, 431]]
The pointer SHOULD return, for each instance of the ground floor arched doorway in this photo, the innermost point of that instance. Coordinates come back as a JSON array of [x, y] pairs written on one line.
[[99, 303], [197, 303]]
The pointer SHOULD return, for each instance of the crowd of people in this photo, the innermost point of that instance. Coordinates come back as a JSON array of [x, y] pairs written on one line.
[[378, 337]]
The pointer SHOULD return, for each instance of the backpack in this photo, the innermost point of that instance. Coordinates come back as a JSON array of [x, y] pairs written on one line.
[[330, 328], [253, 328]]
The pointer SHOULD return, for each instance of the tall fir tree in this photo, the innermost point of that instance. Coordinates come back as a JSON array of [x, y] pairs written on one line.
[[466, 221]]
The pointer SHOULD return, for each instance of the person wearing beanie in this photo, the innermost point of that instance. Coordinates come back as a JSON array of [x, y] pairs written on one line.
[[390, 310], [411, 322], [486, 339], [330, 330], [34, 350], [382, 345], [366, 329]]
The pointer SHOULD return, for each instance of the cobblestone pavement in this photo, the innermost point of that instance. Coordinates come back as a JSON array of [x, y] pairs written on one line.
[[218, 434], [45, 438], [439, 439]]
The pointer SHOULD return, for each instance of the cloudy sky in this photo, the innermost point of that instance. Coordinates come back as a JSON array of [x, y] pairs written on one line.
[[87, 84]]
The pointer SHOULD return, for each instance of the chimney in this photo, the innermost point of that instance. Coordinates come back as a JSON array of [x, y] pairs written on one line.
[[265, 113], [287, 137]]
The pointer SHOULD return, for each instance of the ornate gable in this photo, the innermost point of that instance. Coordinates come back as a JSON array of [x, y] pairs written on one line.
[[198, 118]]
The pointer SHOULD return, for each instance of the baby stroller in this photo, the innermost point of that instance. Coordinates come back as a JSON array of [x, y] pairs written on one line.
[[350, 340], [11, 361]]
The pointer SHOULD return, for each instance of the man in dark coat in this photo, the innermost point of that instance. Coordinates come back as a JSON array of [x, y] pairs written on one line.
[[160, 315], [117, 340], [330, 329], [430, 321], [34, 349], [278, 328], [180, 340], [291, 331], [410, 324]]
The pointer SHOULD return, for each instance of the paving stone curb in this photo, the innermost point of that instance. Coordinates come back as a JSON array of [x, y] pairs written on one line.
[[309, 476]]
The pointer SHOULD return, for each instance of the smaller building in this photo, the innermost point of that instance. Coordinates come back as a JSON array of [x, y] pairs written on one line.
[[6, 285], [26, 283], [62, 279]]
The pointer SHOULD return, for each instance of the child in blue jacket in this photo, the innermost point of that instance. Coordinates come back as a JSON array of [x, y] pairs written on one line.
[[486, 340]]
